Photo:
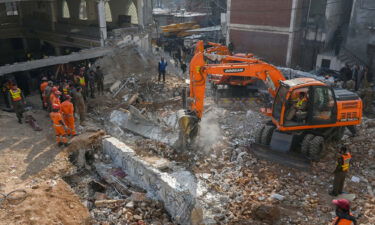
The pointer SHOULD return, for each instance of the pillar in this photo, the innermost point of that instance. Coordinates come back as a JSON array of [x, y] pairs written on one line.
[[102, 22]]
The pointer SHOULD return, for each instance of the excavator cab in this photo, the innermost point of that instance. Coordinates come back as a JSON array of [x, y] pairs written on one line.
[[303, 105]]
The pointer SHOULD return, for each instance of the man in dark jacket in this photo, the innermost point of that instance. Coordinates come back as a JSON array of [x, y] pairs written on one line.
[[162, 67], [342, 168], [346, 74]]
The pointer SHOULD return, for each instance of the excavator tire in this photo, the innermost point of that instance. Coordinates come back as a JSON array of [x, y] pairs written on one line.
[[267, 134], [317, 146], [258, 135], [305, 146]]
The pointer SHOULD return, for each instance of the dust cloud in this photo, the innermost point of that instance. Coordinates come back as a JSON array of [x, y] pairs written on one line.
[[209, 131]]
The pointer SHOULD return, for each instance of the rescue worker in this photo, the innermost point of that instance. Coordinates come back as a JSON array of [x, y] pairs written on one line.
[[67, 110], [65, 90], [47, 94], [43, 87], [343, 214], [58, 125], [82, 84], [17, 99], [55, 96], [99, 79], [342, 168], [79, 104]]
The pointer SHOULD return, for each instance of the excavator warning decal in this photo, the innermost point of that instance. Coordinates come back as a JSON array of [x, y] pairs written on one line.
[[234, 70]]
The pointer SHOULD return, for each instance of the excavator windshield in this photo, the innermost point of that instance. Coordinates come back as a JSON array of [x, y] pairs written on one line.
[[279, 101]]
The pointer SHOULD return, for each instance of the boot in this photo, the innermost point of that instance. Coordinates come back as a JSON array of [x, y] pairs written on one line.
[[66, 144], [60, 144], [19, 120]]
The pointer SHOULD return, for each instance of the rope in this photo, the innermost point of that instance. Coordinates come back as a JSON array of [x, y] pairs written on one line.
[[10, 196]]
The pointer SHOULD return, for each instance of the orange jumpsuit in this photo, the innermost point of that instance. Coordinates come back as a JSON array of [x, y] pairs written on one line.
[[67, 110], [54, 99], [59, 127], [42, 88]]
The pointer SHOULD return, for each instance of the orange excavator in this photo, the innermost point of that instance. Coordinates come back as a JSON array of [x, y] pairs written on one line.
[[305, 113]]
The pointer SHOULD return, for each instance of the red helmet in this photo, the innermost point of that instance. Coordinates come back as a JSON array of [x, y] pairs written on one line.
[[342, 203], [54, 89], [55, 106]]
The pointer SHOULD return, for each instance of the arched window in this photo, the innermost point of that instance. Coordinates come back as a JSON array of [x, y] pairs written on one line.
[[132, 11], [65, 9], [83, 10], [108, 13]]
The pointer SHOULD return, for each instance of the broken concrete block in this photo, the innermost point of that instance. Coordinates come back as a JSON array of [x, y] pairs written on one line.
[[180, 192], [115, 86]]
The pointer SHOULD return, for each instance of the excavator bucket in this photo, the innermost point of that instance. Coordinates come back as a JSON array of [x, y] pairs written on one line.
[[188, 127]]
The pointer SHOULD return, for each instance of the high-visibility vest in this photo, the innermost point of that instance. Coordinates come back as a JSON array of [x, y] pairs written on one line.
[[66, 90], [342, 221], [346, 160], [82, 81], [16, 95], [300, 102]]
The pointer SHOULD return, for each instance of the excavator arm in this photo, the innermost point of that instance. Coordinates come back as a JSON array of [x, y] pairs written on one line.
[[245, 67]]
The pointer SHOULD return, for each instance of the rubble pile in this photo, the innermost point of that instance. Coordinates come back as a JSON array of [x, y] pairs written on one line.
[[109, 196]]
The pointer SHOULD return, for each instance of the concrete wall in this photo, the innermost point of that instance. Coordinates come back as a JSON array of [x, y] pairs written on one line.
[[270, 29], [361, 31]]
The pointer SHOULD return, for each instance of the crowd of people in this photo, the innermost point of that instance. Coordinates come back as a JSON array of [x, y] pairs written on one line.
[[61, 96]]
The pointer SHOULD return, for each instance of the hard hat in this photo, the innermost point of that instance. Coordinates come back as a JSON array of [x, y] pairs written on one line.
[[44, 78], [57, 92], [342, 203], [54, 89], [55, 106], [68, 97]]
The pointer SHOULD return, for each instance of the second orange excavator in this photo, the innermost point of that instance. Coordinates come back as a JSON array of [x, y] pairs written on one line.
[[305, 112]]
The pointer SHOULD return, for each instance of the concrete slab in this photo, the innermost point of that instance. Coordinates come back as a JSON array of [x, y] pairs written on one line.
[[185, 197], [137, 123]]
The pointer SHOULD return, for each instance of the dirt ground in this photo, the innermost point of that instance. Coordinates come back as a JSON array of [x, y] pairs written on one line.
[[31, 161]]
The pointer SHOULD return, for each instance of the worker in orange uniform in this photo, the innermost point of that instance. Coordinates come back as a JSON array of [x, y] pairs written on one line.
[[67, 110], [17, 99], [343, 214], [43, 86], [55, 96], [342, 168], [58, 125]]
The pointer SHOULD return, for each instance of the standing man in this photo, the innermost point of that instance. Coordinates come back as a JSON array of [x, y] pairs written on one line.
[[67, 110], [58, 125], [91, 82], [17, 99], [342, 168], [343, 214], [346, 74], [55, 96], [183, 67], [99, 78], [79, 104], [355, 76], [43, 86], [5, 89], [162, 67]]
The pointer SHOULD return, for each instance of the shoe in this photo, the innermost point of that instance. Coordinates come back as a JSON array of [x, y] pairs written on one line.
[[66, 144], [20, 121], [59, 144]]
